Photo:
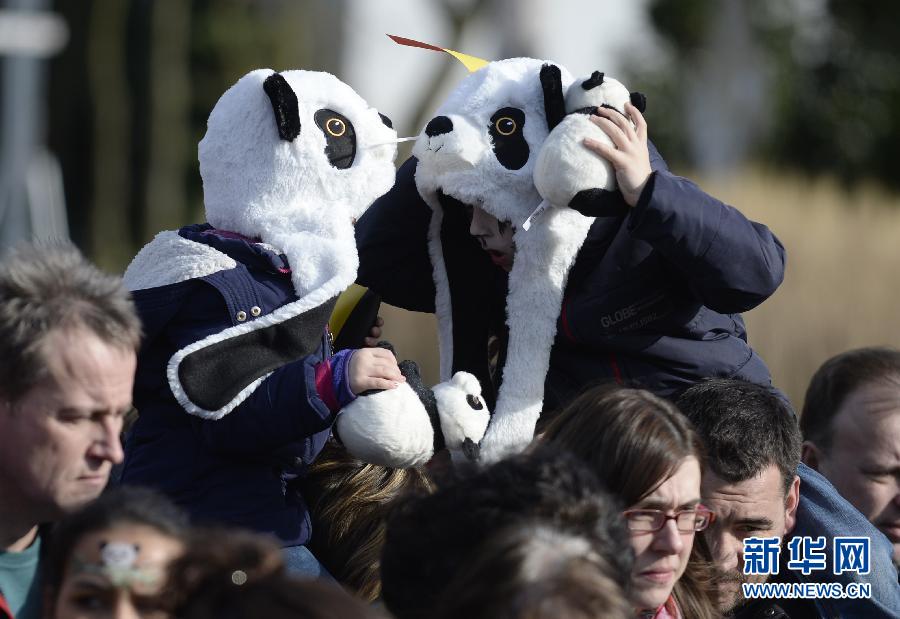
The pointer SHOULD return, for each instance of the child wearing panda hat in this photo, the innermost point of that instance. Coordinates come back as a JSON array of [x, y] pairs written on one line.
[[641, 283], [236, 385]]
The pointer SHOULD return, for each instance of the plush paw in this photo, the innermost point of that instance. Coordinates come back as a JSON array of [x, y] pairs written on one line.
[[389, 428], [463, 414]]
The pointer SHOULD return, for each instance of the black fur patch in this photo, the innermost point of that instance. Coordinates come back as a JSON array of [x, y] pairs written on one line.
[[387, 121], [591, 110], [510, 146], [599, 203], [438, 125], [639, 100], [593, 81], [554, 99], [284, 105], [470, 274], [410, 370], [340, 138], [214, 375]]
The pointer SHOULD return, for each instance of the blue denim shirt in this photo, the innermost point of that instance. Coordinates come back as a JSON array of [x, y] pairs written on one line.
[[823, 511]]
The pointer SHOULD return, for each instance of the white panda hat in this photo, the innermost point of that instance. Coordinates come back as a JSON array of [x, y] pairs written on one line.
[[297, 183], [480, 150], [290, 159], [462, 151]]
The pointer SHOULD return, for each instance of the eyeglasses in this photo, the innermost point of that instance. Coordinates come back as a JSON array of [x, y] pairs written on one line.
[[651, 520]]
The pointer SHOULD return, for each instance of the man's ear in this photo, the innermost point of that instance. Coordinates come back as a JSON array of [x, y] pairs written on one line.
[[810, 455], [791, 502]]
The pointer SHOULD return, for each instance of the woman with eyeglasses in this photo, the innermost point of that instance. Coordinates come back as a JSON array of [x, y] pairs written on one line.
[[647, 454]]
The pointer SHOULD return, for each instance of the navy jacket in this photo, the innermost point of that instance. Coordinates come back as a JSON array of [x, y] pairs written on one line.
[[236, 470], [654, 297]]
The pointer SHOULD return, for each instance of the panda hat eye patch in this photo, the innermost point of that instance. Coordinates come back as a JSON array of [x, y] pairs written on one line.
[[510, 146], [340, 137]]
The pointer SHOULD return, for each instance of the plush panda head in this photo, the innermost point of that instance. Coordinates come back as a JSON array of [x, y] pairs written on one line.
[[598, 90], [292, 158], [480, 147], [565, 172]]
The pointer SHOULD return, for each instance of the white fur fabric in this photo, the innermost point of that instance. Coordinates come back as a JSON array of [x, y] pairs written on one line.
[[544, 256], [611, 92], [462, 164], [287, 193], [170, 258], [390, 428], [459, 420], [564, 166]]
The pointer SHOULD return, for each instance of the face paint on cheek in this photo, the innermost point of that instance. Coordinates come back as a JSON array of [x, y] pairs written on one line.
[[117, 565]]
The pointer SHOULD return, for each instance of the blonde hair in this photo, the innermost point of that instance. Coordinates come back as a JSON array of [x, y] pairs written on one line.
[[349, 501]]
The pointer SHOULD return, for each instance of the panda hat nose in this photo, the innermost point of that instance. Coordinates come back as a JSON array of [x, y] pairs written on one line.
[[438, 126]]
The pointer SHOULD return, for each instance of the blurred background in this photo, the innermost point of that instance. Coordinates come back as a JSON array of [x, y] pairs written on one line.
[[787, 109]]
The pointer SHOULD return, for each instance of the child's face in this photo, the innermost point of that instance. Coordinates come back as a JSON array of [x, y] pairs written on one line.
[[496, 237]]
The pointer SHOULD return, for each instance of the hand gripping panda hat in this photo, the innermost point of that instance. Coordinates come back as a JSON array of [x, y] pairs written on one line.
[[481, 149], [290, 159]]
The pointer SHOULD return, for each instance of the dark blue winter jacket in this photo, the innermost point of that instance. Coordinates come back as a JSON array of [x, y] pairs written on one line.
[[235, 470], [654, 297]]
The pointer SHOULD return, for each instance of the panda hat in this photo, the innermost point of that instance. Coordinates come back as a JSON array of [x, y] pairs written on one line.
[[289, 159], [480, 150]]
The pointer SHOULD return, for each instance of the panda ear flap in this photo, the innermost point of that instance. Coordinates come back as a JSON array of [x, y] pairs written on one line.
[[284, 105], [639, 100], [554, 100]]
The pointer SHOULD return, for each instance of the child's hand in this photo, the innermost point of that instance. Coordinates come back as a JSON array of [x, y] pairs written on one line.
[[630, 157], [374, 368], [374, 332]]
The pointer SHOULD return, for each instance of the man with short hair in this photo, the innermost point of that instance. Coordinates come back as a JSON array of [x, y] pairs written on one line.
[[757, 487], [851, 431], [68, 340]]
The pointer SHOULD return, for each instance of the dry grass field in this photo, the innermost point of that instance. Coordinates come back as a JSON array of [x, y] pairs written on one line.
[[842, 287]]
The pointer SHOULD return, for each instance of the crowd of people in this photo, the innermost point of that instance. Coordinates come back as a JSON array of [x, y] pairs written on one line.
[[626, 505], [665, 477]]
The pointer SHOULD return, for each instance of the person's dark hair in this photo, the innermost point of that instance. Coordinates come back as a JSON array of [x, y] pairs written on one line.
[[745, 428], [631, 439], [225, 574], [48, 288], [430, 539], [838, 377], [535, 571], [634, 441], [122, 505], [348, 502]]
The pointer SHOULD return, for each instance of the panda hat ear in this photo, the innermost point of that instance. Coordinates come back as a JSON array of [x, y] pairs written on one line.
[[639, 100], [554, 99], [284, 105], [596, 79]]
